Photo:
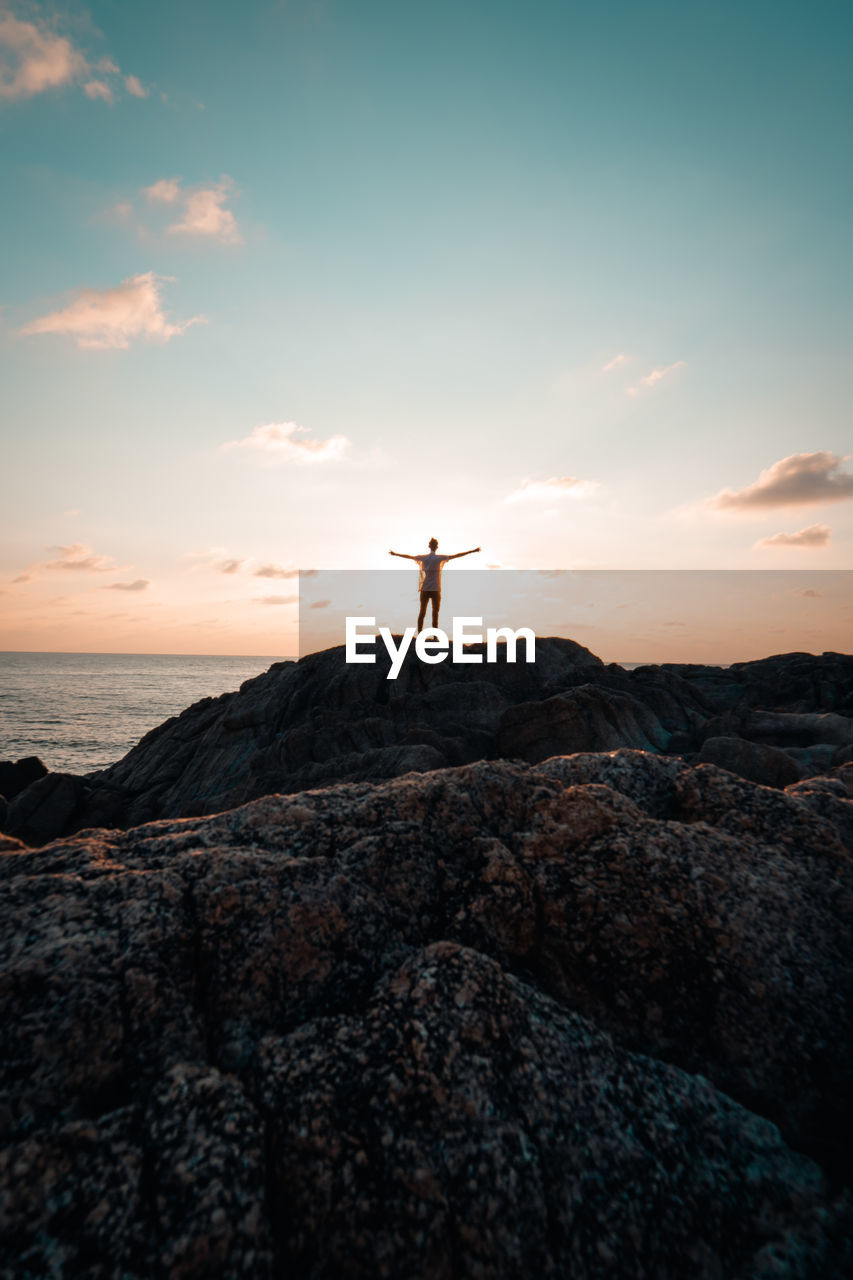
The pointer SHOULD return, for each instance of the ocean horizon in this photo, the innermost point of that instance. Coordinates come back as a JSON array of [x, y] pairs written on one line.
[[80, 712]]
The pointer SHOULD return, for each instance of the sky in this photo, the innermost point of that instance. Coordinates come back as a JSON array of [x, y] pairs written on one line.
[[287, 285]]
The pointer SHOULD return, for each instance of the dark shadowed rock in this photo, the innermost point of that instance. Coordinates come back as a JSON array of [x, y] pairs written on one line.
[[15, 776], [584, 719], [44, 808], [320, 721], [761, 764], [587, 1018]]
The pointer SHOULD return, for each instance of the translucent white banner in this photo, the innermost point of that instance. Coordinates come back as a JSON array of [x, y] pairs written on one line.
[[627, 616]]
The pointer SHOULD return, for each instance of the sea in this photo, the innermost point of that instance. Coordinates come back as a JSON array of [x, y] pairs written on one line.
[[83, 711]]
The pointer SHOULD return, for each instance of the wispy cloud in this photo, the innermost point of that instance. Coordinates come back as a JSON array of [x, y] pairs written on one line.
[[283, 442], [655, 376], [275, 571], [140, 584], [217, 558], [76, 557], [135, 87], [164, 191], [801, 479], [554, 487], [276, 599], [614, 363], [816, 535], [203, 208], [79, 558], [35, 57], [99, 89], [102, 318], [205, 214]]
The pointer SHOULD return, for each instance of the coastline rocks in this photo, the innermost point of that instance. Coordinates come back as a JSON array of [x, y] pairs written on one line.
[[482, 1020], [765, 765], [18, 774], [44, 807], [320, 721], [584, 719]]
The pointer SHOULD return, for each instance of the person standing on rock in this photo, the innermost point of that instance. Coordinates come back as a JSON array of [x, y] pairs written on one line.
[[430, 566]]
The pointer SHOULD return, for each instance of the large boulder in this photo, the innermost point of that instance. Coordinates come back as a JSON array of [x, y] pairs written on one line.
[[16, 775], [320, 721], [583, 719], [45, 808], [591, 1017], [765, 765]]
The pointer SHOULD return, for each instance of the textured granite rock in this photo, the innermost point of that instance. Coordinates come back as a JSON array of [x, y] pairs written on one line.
[[589, 1018], [320, 721]]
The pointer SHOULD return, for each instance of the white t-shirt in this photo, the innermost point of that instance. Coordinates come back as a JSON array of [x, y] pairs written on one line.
[[429, 567]]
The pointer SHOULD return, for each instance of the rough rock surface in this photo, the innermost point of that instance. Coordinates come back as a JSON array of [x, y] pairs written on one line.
[[759, 763], [590, 1017], [319, 721]]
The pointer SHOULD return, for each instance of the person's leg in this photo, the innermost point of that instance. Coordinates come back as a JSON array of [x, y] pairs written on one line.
[[424, 598], [436, 603]]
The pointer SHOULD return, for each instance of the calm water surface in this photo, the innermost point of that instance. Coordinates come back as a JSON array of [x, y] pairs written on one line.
[[83, 711]]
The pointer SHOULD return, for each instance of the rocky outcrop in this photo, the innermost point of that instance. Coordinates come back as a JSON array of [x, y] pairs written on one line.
[[319, 721], [18, 774], [765, 765], [588, 1018], [45, 807]]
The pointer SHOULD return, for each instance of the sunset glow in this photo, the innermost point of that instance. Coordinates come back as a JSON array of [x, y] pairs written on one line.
[[288, 285]]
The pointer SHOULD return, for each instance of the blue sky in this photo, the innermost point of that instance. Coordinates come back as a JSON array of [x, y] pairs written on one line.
[[546, 278]]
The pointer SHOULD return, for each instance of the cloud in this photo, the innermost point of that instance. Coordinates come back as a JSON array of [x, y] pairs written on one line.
[[139, 585], [320, 604], [165, 191], [798, 480], [276, 599], [23, 577], [203, 208], [817, 535], [80, 558], [102, 318], [809, 592], [614, 363], [205, 214], [554, 487], [655, 376], [275, 571], [229, 566], [35, 58], [99, 89], [279, 441]]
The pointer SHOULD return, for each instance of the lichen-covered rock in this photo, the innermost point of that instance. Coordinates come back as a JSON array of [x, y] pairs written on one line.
[[591, 1017]]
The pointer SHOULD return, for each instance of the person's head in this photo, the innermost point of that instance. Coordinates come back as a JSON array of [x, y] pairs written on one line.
[[433, 543]]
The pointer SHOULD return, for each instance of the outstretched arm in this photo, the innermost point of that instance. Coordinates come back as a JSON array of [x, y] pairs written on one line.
[[460, 554], [402, 555]]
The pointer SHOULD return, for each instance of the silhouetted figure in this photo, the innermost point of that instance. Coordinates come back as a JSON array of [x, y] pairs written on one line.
[[429, 580]]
